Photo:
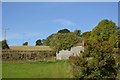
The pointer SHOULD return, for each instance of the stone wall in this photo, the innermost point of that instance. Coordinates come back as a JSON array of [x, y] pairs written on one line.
[[65, 54], [27, 55]]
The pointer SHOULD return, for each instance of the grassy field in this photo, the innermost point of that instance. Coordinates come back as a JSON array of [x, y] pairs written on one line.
[[50, 69], [30, 48]]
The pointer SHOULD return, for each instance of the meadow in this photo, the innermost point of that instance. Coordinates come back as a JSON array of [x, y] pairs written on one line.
[[44, 69]]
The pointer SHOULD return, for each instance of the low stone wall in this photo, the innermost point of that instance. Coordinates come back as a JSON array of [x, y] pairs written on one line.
[[27, 55]]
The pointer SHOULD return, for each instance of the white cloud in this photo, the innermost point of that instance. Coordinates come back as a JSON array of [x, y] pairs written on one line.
[[64, 22]]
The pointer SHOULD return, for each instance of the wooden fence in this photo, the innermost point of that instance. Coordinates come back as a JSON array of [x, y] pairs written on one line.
[[27, 55]]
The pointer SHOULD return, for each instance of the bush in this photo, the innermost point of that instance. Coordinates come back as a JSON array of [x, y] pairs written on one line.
[[4, 44], [25, 44]]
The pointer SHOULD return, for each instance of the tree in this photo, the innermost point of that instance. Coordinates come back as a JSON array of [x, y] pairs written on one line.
[[114, 40], [98, 61], [103, 30], [64, 31], [25, 44], [77, 32], [4, 44], [43, 41], [86, 35], [38, 42], [61, 41]]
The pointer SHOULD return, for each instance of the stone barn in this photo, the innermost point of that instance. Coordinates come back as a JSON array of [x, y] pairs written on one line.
[[65, 54]]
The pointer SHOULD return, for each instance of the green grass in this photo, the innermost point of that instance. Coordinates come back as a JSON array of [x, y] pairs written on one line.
[[50, 69]]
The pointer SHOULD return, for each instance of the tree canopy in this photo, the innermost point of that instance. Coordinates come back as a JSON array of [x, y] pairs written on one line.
[[103, 30], [62, 41], [4, 44], [64, 31], [86, 35], [77, 32], [25, 44], [38, 42], [99, 61]]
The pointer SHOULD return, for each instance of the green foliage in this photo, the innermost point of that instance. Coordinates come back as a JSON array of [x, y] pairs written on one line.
[[4, 44], [38, 42], [114, 40], [77, 32], [61, 41], [103, 30], [25, 44], [99, 61], [64, 31], [86, 35], [43, 41]]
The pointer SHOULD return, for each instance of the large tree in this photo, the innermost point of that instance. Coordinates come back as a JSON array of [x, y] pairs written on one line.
[[61, 41], [98, 61], [103, 30]]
